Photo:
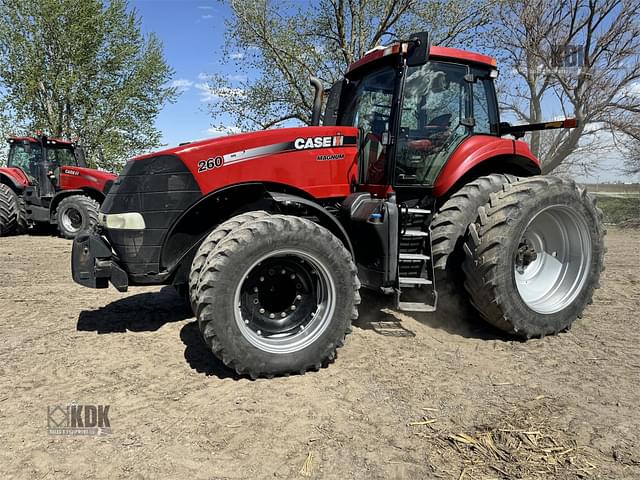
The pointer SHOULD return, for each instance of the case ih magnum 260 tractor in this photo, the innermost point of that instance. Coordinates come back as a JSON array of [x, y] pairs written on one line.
[[270, 234], [47, 181]]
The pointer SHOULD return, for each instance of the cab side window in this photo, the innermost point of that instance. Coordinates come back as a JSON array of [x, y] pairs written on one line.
[[485, 110], [481, 108]]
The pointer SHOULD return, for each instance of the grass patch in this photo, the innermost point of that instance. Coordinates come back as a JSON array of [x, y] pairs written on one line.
[[620, 211]]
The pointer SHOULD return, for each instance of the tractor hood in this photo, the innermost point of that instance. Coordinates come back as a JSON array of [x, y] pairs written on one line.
[[319, 160], [312, 162], [78, 177]]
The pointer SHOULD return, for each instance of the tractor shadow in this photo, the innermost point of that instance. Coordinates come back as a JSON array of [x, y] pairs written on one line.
[[148, 312], [144, 312], [454, 314]]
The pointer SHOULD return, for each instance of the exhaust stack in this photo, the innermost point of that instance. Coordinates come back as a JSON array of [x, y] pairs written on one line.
[[317, 100]]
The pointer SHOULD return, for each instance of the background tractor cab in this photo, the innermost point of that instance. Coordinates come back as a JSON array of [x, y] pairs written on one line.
[[50, 183]]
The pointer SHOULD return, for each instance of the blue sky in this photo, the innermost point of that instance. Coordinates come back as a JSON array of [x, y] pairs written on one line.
[[192, 33]]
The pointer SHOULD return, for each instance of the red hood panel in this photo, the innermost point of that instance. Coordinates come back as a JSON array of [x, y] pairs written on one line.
[[80, 177], [318, 160]]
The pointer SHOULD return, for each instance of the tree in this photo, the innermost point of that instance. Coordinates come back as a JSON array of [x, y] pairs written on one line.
[[82, 69], [581, 55], [285, 42]]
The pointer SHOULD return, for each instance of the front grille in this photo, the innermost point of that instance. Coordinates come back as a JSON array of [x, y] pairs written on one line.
[[160, 188]]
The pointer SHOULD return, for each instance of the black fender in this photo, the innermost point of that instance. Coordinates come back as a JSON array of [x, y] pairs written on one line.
[[189, 230], [292, 204]]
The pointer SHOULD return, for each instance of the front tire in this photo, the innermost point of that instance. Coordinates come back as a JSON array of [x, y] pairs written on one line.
[[75, 214], [534, 257], [9, 210], [209, 244], [277, 296]]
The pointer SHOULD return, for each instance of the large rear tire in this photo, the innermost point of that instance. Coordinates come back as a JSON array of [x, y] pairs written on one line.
[[210, 243], [534, 256], [452, 220], [9, 210], [277, 296], [75, 214]]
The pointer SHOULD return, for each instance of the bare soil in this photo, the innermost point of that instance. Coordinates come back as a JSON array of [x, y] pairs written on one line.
[[408, 397]]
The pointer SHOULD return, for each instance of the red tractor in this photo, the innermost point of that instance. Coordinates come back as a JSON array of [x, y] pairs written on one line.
[[270, 234], [46, 180]]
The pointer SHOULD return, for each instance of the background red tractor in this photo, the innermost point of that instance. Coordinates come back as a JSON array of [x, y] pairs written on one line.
[[46, 180], [270, 235]]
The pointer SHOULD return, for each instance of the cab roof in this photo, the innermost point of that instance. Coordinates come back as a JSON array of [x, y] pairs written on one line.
[[440, 53], [55, 141]]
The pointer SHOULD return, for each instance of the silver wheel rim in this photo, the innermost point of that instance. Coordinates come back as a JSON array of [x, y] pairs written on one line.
[[285, 301], [71, 219], [553, 258]]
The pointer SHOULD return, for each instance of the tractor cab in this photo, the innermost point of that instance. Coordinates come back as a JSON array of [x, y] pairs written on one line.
[[414, 105], [41, 160]]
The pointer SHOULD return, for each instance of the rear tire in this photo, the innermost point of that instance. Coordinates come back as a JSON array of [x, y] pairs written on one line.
[[534, 256], [449, 230], [451, 222], [209, 244], [263, 322], [9, 211], [75, 214]]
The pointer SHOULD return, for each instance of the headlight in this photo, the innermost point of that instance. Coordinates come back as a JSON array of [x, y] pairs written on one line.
[[122, 221]]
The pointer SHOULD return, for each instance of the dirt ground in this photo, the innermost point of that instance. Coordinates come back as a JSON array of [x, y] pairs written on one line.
[[408, 397]]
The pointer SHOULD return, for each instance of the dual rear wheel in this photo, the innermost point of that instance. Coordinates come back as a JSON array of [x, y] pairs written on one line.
[[528, 251], [534, 255]]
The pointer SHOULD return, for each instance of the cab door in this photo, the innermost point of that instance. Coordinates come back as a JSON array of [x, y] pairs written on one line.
[[436, 117]]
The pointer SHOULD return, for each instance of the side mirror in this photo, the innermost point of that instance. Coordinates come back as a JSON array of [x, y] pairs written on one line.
[[419, 45]]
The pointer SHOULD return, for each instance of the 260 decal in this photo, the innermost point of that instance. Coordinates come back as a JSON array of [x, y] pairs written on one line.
[[210, 164]]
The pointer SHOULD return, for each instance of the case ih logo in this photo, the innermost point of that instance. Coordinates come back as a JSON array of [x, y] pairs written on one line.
[[70, 172], [318, 142], [76, 419]]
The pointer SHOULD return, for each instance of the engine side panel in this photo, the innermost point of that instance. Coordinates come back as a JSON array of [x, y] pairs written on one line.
[[318, 160], [75, 178]]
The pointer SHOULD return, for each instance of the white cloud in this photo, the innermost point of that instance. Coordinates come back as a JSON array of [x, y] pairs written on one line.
[[203, 76], [237, 56], [209, 93], [182, 84], [207, 17], [238, 78], [205, 7], [222, 130]]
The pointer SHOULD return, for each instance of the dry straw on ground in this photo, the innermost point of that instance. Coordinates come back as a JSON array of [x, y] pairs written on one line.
[[522, 443]]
